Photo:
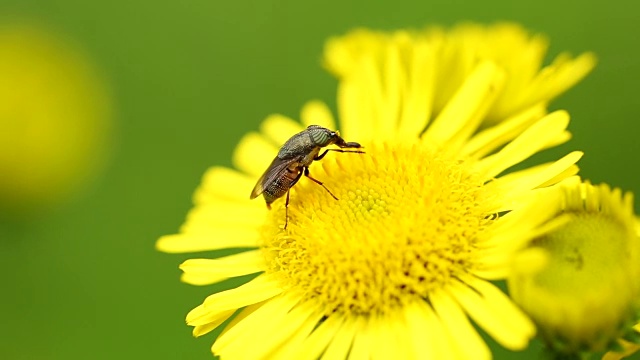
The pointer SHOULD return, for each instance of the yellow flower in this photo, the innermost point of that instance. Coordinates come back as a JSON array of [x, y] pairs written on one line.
[[397, 266], [420, 71], [54, 118], [588, 294]]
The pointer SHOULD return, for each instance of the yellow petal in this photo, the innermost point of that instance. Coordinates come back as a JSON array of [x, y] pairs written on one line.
[[200, 330], [221, 213], [279, 128], [518, 223], [513, 184], [491, 319], [500, 250], [559, 139], [493, 271], [202, 317], [261, 288], [225, 213], [317, 342], [214, 239], [233, 342], [214, 306], [243, 314], [224, 183], [392, 93], [498, 263], [292, 348], [499, 302], [426, 333], [419, 100], [209, 271], [529, 262], [281, 332], [341, 54], [391, 337], [559, 76], [339, 346], [528, 143], [362, 341], [253, 154], [357, 116], [267, 337], [467, 340], [495, 136], [317, 113], [464, 112]]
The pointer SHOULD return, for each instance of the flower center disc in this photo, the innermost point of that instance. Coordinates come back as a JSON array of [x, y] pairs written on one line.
[[405, 223]]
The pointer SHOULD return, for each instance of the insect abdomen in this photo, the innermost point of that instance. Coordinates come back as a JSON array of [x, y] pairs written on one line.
[[278, 188]]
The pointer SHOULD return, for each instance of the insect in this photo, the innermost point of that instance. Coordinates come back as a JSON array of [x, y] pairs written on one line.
[[294, 159]]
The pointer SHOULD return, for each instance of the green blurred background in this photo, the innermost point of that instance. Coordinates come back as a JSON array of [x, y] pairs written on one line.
[[188, 79]]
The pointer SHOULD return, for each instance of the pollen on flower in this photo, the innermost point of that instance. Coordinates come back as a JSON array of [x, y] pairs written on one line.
[[400, 229]]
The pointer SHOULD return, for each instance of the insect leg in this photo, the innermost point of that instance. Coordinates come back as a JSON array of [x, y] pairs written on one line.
[[306, 173], [286, 209], [318, 157]]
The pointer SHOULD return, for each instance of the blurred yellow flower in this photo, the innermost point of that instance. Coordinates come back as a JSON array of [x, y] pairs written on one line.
[[588, 293], [395, 268], [420, 71], [54, 118]]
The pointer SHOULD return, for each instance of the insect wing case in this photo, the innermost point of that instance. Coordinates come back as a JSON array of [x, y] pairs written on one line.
[[274, 172]]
